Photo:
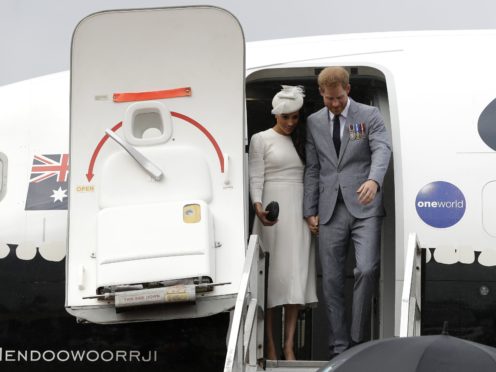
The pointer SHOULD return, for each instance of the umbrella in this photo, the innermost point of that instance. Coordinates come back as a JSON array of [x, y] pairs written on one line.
[[439, 353]]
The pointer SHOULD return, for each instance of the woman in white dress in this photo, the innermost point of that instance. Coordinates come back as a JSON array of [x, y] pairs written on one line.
[[276, 164]]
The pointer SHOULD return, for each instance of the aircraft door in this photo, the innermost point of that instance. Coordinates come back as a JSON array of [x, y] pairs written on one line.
[[156, 208], [3, 175]]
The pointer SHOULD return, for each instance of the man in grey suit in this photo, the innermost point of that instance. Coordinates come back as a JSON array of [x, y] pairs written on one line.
[[347, 155]]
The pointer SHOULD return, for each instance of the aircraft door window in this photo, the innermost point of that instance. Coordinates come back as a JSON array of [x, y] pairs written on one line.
[[3, 175], [147, 123]]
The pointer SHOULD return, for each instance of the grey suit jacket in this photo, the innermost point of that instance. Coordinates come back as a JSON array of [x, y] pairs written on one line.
[[361, 158]]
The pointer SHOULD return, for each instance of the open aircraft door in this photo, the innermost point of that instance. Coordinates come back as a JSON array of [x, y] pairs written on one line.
[[157, 189]]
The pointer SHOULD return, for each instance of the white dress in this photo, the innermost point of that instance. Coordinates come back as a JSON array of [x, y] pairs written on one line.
[[276, 174]]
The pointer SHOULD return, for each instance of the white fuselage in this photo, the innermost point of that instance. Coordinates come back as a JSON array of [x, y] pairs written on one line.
[[438, 84]]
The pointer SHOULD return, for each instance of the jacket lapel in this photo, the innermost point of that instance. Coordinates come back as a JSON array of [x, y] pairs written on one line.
[[346, 134]]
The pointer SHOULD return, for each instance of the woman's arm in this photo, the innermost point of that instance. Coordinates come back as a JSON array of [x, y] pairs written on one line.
[[256, 168]]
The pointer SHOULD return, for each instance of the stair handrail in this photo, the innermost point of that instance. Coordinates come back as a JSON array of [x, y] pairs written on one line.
[[245, 342], [411, 297]]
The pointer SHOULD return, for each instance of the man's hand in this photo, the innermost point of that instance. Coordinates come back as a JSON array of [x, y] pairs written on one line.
[[262, 215], [313, 224], [367, 192]]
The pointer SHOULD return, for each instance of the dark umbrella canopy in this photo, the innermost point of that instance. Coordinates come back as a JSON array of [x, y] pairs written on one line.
[[440, 353]]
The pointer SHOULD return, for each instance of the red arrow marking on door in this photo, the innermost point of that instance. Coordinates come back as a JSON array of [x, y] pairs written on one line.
[[206, 133], [204, 130], [98, 147]]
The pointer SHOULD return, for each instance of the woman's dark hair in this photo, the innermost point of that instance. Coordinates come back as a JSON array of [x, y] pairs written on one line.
[[299, 136]]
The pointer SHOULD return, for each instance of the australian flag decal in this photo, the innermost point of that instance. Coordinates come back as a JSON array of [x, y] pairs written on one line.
[[48, 186]]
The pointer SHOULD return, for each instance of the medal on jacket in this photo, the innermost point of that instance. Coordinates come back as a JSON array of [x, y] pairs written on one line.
[[357, 131], [352, 132]]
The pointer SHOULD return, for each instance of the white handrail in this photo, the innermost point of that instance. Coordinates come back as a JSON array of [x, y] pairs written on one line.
[[411, 296], [245, 345]]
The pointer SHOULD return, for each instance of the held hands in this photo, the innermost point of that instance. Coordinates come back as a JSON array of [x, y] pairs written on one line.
[[367, 191], [313, 224], [262, 215]]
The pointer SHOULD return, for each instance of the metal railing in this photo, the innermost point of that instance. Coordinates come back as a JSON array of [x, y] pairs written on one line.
[[245, 344], [411, 297]]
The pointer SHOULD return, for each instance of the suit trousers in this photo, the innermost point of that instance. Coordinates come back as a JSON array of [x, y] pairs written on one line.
[[334, 239]]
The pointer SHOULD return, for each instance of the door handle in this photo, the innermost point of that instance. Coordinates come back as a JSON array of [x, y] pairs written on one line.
[[143, 161]]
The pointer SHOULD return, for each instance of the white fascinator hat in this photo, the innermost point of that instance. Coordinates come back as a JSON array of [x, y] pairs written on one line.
[[289, 99]]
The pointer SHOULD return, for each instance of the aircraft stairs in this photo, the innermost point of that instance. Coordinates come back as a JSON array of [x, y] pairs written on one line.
[[294, 365], [246, 333]]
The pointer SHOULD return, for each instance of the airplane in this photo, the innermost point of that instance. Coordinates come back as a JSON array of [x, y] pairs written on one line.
[[153, 121]]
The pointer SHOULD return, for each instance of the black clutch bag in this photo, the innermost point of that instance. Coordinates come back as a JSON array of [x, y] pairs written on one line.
[[273, 209]]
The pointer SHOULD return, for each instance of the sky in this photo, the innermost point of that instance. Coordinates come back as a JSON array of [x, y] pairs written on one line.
[[35, 35]]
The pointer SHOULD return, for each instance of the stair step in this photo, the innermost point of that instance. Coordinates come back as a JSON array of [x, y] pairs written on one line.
[[294, 365]]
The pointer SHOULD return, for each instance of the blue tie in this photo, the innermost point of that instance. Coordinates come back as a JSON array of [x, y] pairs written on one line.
[[336, 133]]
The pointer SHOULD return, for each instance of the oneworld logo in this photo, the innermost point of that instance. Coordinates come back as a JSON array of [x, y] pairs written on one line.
[[440, 204]]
